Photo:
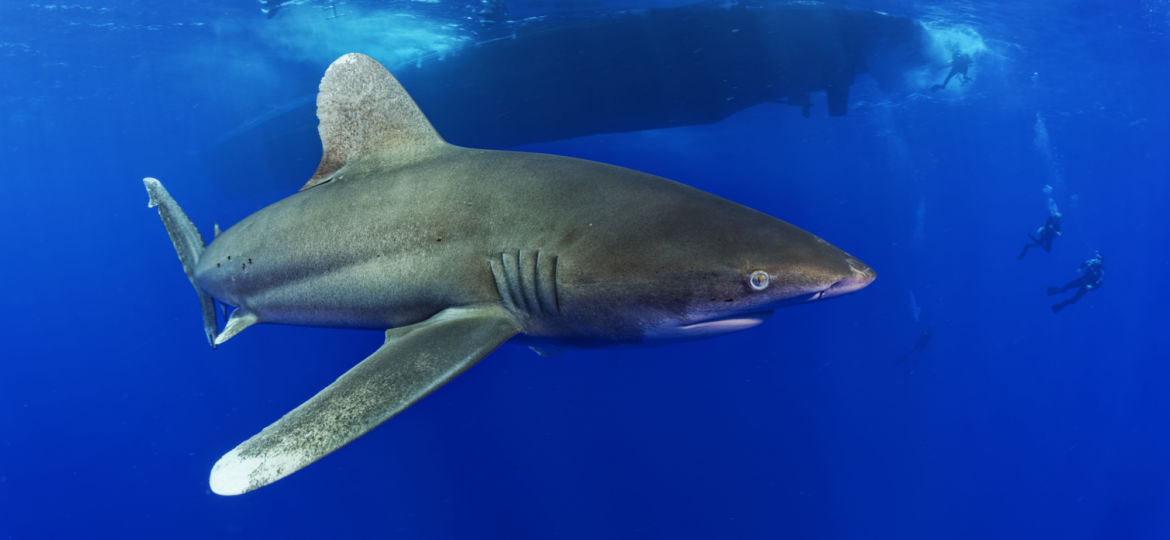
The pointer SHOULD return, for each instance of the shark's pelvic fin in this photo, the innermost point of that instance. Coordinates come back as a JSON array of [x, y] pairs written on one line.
[[188, 244], [239, 320], [414, 361], [365, 114]]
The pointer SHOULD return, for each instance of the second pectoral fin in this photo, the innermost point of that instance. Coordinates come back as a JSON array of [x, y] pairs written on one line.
[[414, 361]]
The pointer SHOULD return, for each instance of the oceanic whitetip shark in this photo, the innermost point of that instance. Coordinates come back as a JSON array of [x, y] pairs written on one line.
[[457, 250]]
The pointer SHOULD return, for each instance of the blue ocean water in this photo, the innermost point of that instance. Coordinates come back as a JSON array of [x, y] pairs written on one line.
[[944, 401]]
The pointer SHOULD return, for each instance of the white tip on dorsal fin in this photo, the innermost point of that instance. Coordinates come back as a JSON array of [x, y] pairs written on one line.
[[366, 115]]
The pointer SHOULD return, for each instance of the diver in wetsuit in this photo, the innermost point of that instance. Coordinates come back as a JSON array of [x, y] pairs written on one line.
[[1092, 272], [959, 65], [1044, 235], [916, 352]]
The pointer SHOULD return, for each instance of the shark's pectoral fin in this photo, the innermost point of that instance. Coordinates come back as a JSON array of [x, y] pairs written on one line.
[[414, 361]]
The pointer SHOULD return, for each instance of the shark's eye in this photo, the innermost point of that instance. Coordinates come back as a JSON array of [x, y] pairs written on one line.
[[759, 280]]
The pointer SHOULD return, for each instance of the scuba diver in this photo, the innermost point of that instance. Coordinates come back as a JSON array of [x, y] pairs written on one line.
[[1044, 235], [959, 65], [917, 352], [1092, 272]]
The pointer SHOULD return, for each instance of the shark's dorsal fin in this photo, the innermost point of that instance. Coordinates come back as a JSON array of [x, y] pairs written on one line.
[[366, 116]]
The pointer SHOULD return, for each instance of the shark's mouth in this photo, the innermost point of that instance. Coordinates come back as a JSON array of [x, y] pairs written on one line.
[[721, 325]]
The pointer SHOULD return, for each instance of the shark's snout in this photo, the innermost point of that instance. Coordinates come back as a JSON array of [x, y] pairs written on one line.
[[859, 276]]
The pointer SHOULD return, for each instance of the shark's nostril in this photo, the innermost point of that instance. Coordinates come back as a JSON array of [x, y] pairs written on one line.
[[861, 271], [865, 275], [862, 275]]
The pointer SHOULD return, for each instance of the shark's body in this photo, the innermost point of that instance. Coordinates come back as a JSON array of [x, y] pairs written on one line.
[[457, 250]]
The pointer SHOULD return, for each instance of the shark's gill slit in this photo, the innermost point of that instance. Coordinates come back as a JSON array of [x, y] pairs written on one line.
[[512, 272], [544, 278], [498, 271], [527, 279], [556, 292], [536, 283], [526, 283]]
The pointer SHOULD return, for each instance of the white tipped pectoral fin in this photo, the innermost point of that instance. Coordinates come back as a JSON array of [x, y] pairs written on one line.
[[414, 361]]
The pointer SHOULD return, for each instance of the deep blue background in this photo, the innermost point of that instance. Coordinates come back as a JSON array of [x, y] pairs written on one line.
[[1015, 423]]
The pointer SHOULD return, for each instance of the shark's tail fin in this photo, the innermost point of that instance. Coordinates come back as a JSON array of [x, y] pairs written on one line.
[[188, 244]]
